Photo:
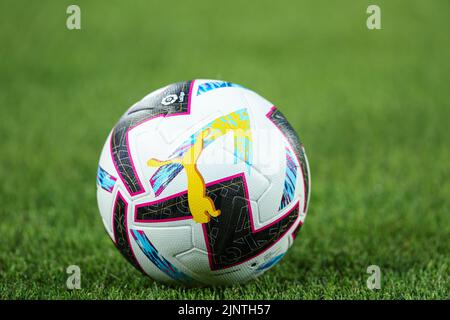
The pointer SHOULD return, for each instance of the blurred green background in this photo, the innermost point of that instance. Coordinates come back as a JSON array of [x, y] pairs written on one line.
[[371, 106]]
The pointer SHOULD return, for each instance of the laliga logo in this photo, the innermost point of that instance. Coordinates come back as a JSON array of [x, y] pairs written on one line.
[[185, 157], [172, 98]]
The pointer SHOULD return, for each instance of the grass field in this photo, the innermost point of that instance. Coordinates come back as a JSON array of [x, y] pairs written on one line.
[[372, 108]]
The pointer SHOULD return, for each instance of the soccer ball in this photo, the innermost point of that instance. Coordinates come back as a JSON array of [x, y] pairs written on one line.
[[203, 182]]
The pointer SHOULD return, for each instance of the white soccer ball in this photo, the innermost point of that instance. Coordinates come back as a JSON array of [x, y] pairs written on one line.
[[203, 182]]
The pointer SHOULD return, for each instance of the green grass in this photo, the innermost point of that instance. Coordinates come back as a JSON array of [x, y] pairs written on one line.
[[372, 108]]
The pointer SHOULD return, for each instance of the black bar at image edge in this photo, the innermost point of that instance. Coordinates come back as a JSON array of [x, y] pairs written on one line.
[[223, 309]]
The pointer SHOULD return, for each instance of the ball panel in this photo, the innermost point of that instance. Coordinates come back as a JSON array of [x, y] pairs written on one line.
[[121, 222], [281, 123], [107, 186], [154, 105], [156, 254]]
